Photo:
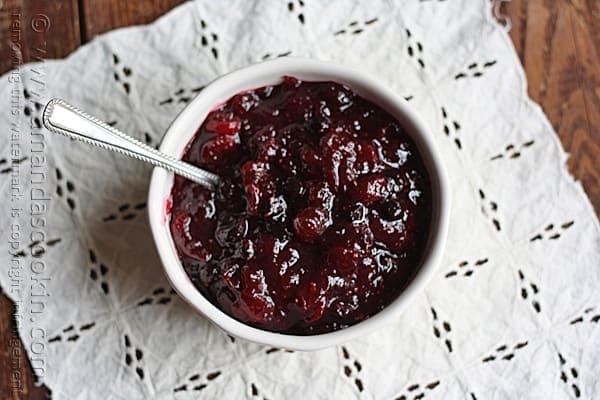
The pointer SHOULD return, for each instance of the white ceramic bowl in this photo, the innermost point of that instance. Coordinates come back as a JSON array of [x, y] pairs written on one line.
[[183, 129]]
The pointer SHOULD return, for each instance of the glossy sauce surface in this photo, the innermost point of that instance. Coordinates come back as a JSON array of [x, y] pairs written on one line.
[[323, 212]]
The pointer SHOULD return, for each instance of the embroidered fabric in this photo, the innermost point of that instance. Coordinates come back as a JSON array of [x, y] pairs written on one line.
[[513, 312]]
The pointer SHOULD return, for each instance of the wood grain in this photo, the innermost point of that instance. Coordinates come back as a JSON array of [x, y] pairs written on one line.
[[558, 42], [104, 15], [23, 42], [16, 378]]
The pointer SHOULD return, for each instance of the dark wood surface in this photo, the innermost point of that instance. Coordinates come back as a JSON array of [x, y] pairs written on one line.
[[103, 15], [558, 42], [61, 36]]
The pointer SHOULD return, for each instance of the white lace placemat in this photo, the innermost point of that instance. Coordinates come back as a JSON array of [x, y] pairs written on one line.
[[514, 311]]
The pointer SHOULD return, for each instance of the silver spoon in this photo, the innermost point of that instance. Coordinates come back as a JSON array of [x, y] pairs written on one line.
[[65, 119]]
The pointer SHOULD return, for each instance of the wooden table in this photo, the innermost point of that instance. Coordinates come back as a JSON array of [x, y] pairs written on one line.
[[558, 42]]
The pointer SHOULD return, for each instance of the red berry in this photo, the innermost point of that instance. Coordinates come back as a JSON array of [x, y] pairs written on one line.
[[221, 127], [219, 150], [254, 304], [270, 149], [244, 102], [232, 273], [266, 134], [311, 223], [394, 233], [344, 259], [339, 157], [370, 189], [310, 300], [291, 82], [186, 235], [367, 157], [259, 187], [320, 195]]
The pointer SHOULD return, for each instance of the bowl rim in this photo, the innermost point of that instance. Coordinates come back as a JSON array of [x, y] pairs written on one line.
[[271, 72]]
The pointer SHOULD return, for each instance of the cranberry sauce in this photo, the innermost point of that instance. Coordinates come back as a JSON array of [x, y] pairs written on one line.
[[322, 215]]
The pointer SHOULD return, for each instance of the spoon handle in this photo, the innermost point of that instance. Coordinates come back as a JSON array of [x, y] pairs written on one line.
[[63, 118]]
